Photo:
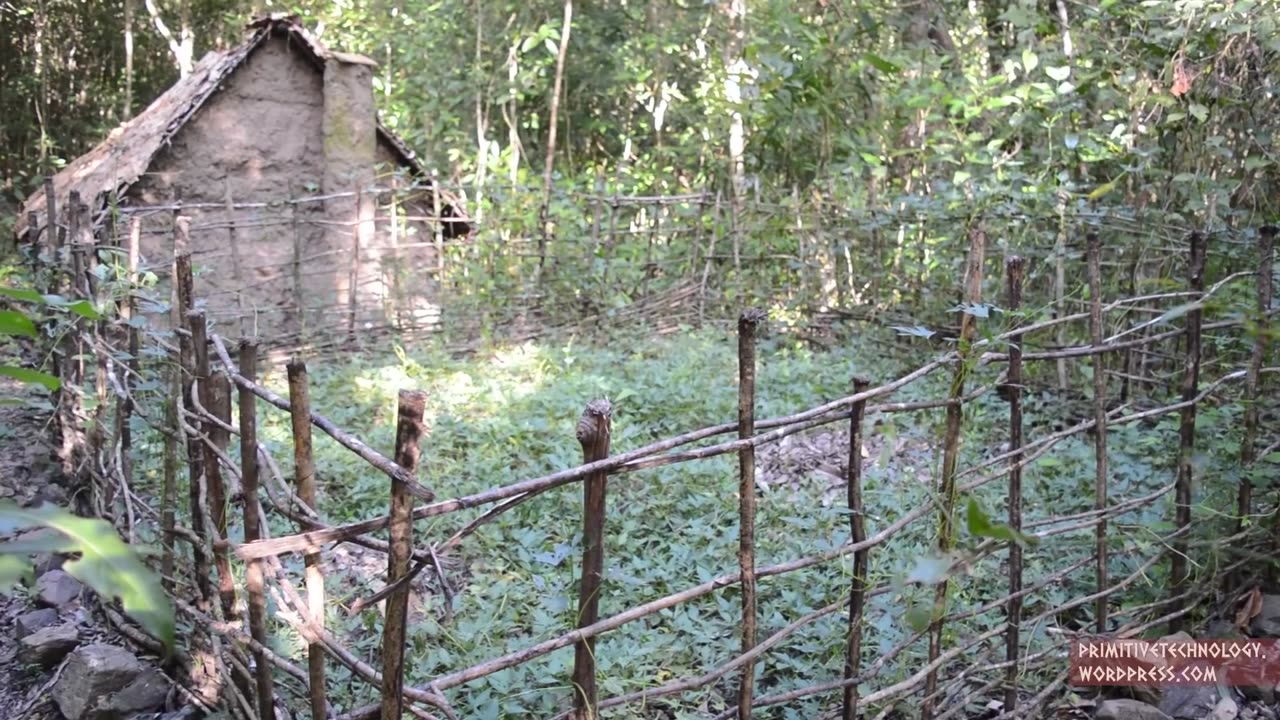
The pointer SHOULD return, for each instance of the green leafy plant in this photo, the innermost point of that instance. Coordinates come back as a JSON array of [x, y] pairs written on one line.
[[105, 563]]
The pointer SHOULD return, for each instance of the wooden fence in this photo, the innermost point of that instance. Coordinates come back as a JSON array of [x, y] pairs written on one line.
[[196, 423]]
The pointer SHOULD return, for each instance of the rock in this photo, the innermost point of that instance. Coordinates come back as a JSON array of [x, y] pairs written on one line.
[[1221, 629], [56, 589], [29, 622], [147, 693], [1124, 709], [1267, 622], [1188, 702], [1265, 694], [1226, 709], [47, 646], [93, 678]]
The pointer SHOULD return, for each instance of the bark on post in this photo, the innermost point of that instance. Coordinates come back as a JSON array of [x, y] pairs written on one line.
[[184, 286], [1015, 267], [747, 325], [1253, 378], [353, 271], [1094, 252], [951, 449], [593, 433], [1187, 427], [213, 396], [861, 558], [254, 584], [204, 671], [409, 431], [305, 479], [129, 311], [53, 272], [169, 489]]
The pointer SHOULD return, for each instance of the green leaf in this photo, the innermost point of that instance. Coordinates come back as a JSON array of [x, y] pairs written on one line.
[[1029, 60], [13, 569], [31, 377], [23, 295], [1058, 72], [106, 564], [1200, 112], [13, 322], [931, 570], [1102, 189], [881, 64], [980, 525], [919, 617], [85, 309]]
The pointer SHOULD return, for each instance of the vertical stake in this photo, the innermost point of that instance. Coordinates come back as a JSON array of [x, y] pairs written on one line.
[[861, 558], [1187, 427], [593, 433], [253, 528], [409, 431], [1094, 257], [951, 451], [747, 325], [304, 474], [1015, 268]]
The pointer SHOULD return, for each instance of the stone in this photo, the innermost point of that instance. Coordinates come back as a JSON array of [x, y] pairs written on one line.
[[1267, 622], [91, 676], [146, 693], [1126, 709], [1226, 709], [47, 646], [57, 589], [29, 622], [1188, 702]]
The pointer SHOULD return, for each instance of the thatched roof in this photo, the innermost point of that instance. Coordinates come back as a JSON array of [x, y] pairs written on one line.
[[122, 159]]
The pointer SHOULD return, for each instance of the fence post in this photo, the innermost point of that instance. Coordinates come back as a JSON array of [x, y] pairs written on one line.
[[409, 431], [204, 671], [861, 558], [747, 324], [593, 434], [129, 311], [1187, 427], [304, 474], [212, 398], [353, 272], [1253, 379], [54, 238], [254, 585], [951, 450], [1015, 266], [1093, 250]]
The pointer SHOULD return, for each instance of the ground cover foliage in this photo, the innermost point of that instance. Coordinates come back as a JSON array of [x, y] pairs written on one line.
[[507, 413]]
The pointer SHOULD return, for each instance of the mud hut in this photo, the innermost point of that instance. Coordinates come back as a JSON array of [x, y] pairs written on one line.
[[308, 216]]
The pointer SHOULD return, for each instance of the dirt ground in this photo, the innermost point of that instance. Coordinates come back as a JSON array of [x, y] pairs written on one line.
[[28, 475]]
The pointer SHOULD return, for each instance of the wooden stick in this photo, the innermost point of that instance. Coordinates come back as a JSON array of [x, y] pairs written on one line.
[[214, 397], [1094, 252], [253, 531], [54, 238], [1187, 424], [861, 559], [951, 450], [1015, 268], [305, 479], [409, 431], [1253, 381], [747, 324], [593, 434]]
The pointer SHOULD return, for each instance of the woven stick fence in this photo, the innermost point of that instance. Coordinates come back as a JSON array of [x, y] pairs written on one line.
[[954, 672]]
